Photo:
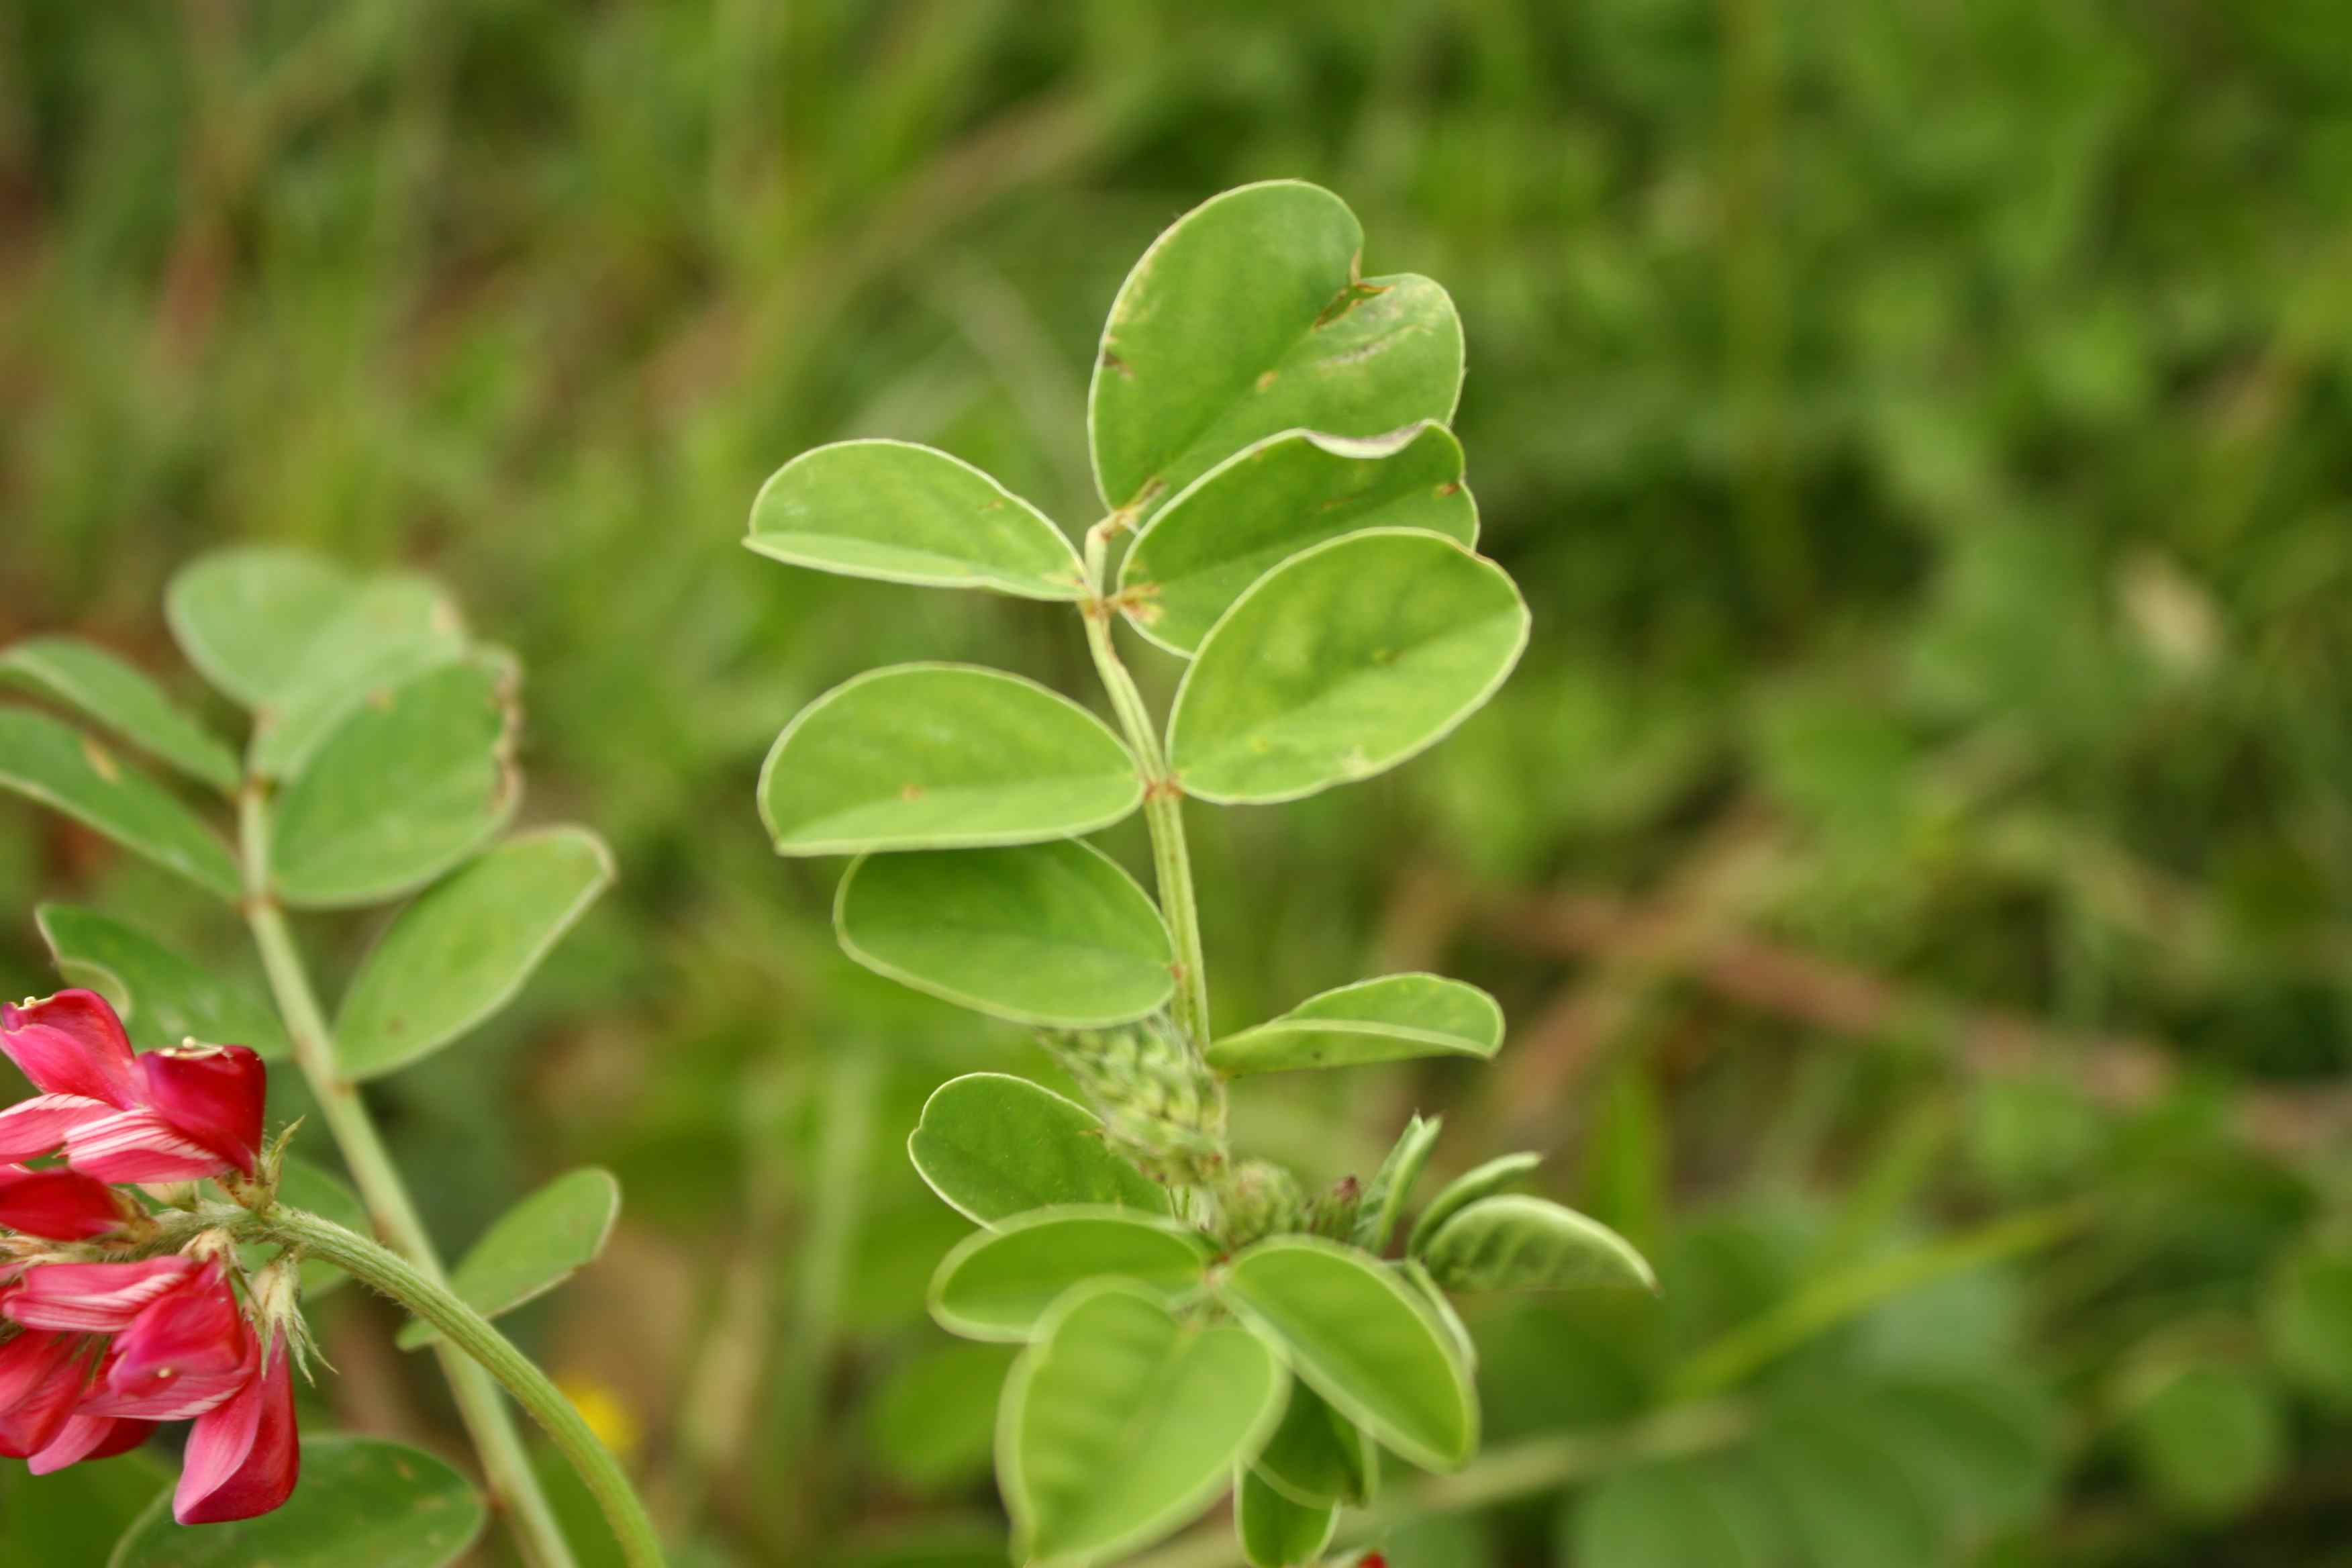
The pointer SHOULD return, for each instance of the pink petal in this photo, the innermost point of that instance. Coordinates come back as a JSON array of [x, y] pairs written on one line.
[[35, 1127], [243, 1458], [139, 1146], [89, 1437], [40, 1379], [213, 1096], [92, 1298], [72, 1044], [196, 1329], [63, 1205]]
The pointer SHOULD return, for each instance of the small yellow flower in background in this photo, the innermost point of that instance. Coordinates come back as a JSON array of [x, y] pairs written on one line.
[[607, 1414]]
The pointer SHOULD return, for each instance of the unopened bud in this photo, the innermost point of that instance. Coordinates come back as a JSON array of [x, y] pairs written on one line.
[[1261, 1199]]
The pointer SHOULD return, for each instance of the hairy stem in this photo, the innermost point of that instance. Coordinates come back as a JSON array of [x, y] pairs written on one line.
[[506, 1464], [493, 1354], [1163, 798]]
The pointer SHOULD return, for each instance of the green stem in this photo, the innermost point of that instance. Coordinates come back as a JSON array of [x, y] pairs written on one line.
[[506, 1464], [1163, 798], [493, 1354]]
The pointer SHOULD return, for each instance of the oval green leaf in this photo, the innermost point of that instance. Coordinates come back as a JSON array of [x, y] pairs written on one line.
[[1317, 1455], [998, 1284], [1276, 1531], [1498, 1175], [1341, 663], [1519, 1243], [247, 616], [1267, 503], [1384, 1020], [533, 1247], [942, 756], [1054, 934], [460, 952], [120, 697], [1362, 1339], [906, 513], [392, 630], [1391, 1186], [1247, 318], [56, 765], [993, 1146], [163, 999], [406, 786], [360, 1500], [1120, 1424]]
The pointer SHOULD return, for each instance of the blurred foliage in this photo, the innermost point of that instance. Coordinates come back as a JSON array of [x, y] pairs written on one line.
[[1920, 430]]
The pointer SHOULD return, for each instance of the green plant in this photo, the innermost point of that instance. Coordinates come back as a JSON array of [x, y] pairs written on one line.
[[1268, 430], [380, 768]]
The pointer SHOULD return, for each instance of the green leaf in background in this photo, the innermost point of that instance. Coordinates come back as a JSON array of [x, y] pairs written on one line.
[[1363, 1340], [1120, 1424], [1341, 663], [1245, 318], [942, 756], [1498, 1175], [999, 1284], [460, 952], [1318, 1455], [1981, 1448], [76, 1515], [993, 1146], [1515, 1242], [534, 1247], [2308, 1321], [360, 1500], [1040, 933], [121, 697], [1391, 1186], [409, 784], [2209, 1440], [1843, 1496], [1384, 1020], [1269, 502], [247, 616], [61, 767], [164, 998], [1277, 1532], [932, 1420], [1674, 1513], [393, 630], [906, 513]]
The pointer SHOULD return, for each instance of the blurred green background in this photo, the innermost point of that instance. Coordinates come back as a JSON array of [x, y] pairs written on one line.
[[1916, 855]]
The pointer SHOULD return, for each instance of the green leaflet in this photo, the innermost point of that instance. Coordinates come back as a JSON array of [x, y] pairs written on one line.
[[1519, 1243], [1391, 1186], [1267, 503], [392, 630], [1119, 1424], [462, 950], [1276, 1531], [386, 1505], [942, 756], [247, 616], [1042, 933], [993, 1146], [906, 513], [1387, 1019], [1247, 317], [1317, 1455], [123, 699], [1364, 1340], [163, 997], [998, 1284], [534, 1247], [1498, 1175], [56, 765], [1342, 662], [408, 784]]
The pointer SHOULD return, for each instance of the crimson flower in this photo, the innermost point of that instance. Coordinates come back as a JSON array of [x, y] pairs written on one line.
[[56, 1204], [163, 1116]]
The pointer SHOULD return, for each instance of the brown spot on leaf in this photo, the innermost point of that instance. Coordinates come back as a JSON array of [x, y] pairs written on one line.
[[1268, 380], [1113, 363], [101, 761], [911, 792]]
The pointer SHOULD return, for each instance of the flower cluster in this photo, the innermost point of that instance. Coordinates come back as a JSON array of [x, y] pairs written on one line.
[[95, 1349]]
